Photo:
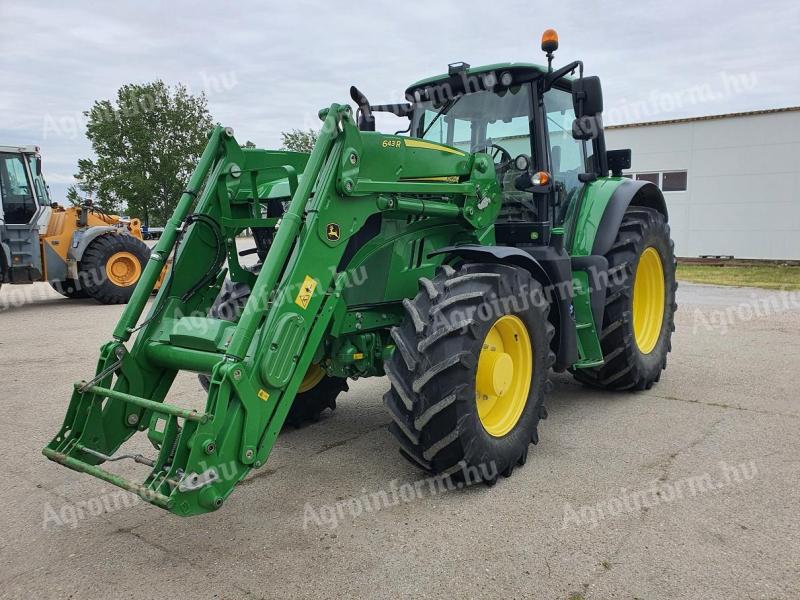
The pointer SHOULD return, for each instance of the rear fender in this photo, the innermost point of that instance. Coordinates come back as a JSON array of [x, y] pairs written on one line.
[[602, 208]]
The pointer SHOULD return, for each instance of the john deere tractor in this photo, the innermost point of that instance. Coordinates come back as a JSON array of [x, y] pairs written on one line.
[[80, 250], [494, 242]]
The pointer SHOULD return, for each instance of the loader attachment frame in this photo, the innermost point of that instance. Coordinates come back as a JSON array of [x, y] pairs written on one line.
[[300, 311]]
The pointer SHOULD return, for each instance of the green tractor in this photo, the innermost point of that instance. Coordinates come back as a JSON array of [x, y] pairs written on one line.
[[463, 261]]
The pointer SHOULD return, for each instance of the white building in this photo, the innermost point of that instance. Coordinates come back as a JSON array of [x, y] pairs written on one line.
[[730, 181]]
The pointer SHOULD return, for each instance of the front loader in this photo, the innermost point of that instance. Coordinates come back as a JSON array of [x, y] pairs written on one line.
[[438, 259]]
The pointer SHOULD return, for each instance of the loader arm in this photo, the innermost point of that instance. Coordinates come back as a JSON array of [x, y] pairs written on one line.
[[297, 314]]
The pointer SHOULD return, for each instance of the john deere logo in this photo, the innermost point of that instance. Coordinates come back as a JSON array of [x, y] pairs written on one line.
[[333, 232]]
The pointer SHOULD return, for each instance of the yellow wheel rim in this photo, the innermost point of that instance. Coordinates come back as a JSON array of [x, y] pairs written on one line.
[[649, 299], [123, 269], [313, 376], [503, 378]]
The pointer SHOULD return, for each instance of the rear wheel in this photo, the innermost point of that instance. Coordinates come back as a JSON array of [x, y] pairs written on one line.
[[640, 305], [111, 267], [469, 374]]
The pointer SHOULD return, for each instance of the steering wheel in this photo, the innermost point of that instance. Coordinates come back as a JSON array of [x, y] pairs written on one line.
[[495, 151]]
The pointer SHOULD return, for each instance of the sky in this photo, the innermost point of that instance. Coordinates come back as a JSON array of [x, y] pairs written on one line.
[[268, 67]]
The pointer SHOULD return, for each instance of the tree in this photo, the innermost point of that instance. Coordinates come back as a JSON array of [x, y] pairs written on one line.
[[74, 197], [298, 140], [147, 144]]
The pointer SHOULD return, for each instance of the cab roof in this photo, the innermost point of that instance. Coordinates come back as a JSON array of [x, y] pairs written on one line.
[[514, 68], [482, 77], [20, 149]]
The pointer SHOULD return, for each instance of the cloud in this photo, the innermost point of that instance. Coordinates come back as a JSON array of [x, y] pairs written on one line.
[[287, 60], [60, 178]]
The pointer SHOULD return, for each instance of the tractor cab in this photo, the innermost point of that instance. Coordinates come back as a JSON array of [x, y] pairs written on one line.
[[522, 115], [541, 127]]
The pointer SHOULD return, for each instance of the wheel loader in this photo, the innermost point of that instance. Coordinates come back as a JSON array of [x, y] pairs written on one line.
[[492, 242], [80, 250]]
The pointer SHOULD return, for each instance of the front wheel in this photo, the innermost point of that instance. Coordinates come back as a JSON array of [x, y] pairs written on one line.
[[639, 315], [469, 372], [318, 392], [69, 288]]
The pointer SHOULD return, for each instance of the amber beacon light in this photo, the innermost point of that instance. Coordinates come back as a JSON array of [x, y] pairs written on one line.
[[549, 41]]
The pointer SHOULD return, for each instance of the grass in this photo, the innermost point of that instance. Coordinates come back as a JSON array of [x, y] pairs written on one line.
[[773, 277]]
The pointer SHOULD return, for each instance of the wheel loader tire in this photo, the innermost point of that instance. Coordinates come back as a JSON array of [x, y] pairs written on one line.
[[318, 391], [639, 315], [69, 288], [469, 372], [111, 266]]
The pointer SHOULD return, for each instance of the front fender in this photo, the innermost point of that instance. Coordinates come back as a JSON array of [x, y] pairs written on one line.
[[500, 254], [83, 237], [549, 267]]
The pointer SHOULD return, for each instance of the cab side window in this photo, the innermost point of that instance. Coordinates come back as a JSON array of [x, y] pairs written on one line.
[[42, 194], [568, 156]]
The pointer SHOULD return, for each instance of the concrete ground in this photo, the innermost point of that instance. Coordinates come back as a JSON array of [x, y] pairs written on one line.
[[690, 490]]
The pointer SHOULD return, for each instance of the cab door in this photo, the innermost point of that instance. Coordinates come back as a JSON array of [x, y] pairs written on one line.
[[20, 220], [569, 157]]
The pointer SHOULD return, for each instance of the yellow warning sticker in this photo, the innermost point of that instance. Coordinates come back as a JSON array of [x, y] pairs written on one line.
[[263, 394], [306, 291]]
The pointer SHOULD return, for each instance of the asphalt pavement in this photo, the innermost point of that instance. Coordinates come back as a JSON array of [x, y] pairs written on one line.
[[689, 490]]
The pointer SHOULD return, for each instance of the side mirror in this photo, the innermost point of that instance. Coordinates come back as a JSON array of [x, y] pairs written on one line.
[[618, 160], [587, 96]]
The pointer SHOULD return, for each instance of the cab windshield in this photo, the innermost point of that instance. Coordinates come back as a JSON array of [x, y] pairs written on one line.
[[484, 121], [495, 122]]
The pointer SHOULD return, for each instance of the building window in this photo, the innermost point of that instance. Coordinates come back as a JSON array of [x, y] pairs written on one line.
[[651, 177], [674, 181]]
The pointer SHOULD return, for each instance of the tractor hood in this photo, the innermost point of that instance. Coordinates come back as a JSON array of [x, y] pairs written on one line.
[[401, 158], [394, 158]]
